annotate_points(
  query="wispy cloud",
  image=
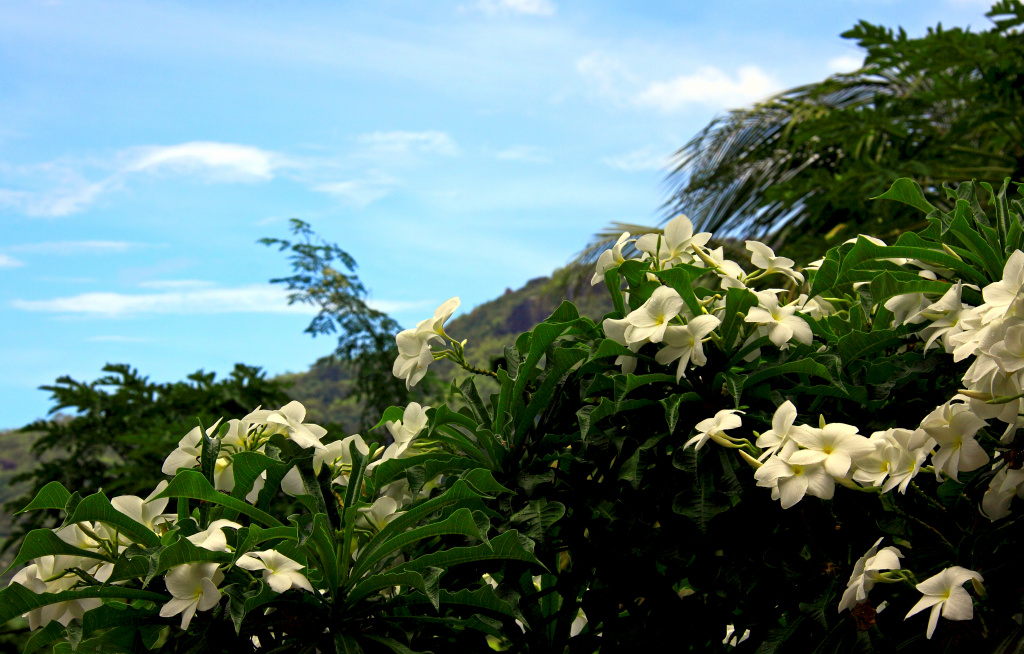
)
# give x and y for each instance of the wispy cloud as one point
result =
(707, 85)
(74, 247)
(407, 143)
(192, 297)
(524, 7)
(524, 153)
(359, 192)
(63, 200)
(9, 262)
(229, 162)
(164, 284)
(643, 159)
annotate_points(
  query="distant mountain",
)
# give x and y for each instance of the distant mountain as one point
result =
(488, 328)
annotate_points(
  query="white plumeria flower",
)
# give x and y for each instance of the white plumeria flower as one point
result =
(835, 445)
(907, 308)
(288, 421)
(764, 257)
(1004, 298)
(1004, 486)
(279, 572)
(731, 638)
(730, 274)
(676, 243)
(414, 420)
(193, 587)
(651, 319)
(414, 357)
(714, 428)
(944, 594)
(953, 426)
(866, 571)
(336, 455)
(683, 342)
(898, 456)
(782, 322)
(616, 330)
(816, 307)
(1008, 353)
(212, 538)
(189, 449)
(782, 430)
(48, 574)
(149, 512)
(609, 259)
(790, 482)
(434, 327)
(945, 315)
(377, 516)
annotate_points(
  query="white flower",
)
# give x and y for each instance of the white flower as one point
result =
(790, 482)
(676, 243)
(683, 342)
(835, 445)
(1004, 486)
(816, 307)
(865, 573)
(782, 430)
(288, 421)
(945, 316)
(48, 575)
(336, 455)
(783, 323)
(714, 428)
(147, 511)
(764, 257)
(945, 595)
(907, 308)
(1009, 352)
(377, 516)
(651, 319)
(189, 449)
(731, 639)
(279, 572)
(193, 586)
(616, 331)
(609, 259)
(953, 426)
(1004, 298)
(729, 272)
(434, 327)
(414, 357)
(212, 538)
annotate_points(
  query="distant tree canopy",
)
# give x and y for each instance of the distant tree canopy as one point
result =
(121, 427)
(941, 108)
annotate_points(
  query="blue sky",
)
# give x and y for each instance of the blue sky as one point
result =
(453, 148)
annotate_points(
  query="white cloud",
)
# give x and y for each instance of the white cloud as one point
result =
(524, 153)
(643, 159)
(708, 86)
(74, 247)
(9, 262)
(176, 284)
(406, 143)
(359, 192)
(220, 161)
(61, 201)
(845, 63)
(526, 7)
(257, 298)
(190, 300)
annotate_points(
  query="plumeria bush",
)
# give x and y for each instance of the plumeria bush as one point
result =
(743, 455)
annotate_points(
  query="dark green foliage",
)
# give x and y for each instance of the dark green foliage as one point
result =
(115, 432)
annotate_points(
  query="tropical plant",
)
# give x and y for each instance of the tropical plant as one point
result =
(731, 451)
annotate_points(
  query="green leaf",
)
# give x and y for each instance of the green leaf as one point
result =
(391, 643)
(626, 384)
(248, 466)
(537, 517)
(241, 603)
(542, 336)
(483, 481)
(671, 406)
(97, 508)
(51, 496)
(426, 583)
(193, 485)
(737, 302)
(326, 549)
(591, 414)
(43, 542)
(827, 275)
(984, 253)
(460, 522)
(469, 391)
(680, 278)
(866, 252)
(562, 362)
(16, 600)
(43, 637)
(800, 366)
(613, 281)
(391, 414)
(507, 547)
(859, 344)
(886, 286)
(908, 192)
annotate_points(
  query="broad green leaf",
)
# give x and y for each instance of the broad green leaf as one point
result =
(241, 602)
(562, 362)
(859, 344)
(680, 278)
(591, 414)
(541, 337)
(391, 644)
(469, 391)
(425, 583)
(391, 414)
(800, 366)
(613, 281)
(327, 551)
(827, 274)
(44, 636)
(507, 546)
(178, 553)
(43, 542)
(626, 384)
(865, 252)
(671, 406)
(51, 496)
(253, 535)
(461, 522)
(907, 191)
(355, 476)
(609, 348)
(97, 508)
(984, 254)
(886, 286)
(247, 466)
(537, 517)
(16, 600)
(192, 484)
(481, 599)
(391, 469)
(737, 302)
